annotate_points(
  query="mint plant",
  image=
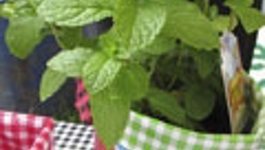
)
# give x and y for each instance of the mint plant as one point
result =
(160, 53)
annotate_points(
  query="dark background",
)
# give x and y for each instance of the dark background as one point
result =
(19, 79)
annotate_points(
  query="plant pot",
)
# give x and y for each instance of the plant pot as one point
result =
(25, 132)
(145, 133)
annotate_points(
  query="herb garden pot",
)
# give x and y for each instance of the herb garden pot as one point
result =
(145, 133)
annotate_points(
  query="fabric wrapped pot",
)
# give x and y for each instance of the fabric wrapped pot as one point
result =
(25, 132)
(145, 133)
(31, 132)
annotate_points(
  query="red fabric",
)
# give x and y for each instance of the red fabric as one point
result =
(25, 132)
(81, 103)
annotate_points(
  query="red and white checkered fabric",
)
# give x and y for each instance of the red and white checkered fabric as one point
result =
(81, 102)
(25, 132)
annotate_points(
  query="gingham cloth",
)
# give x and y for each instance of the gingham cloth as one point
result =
(258, 63)
(258, 73)
(144, 133)
(70, 136)
(25, 132)
(81, 102)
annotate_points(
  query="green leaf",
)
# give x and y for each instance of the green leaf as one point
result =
(24, 9)
(213, 11)
(92, 69)
(99, 71)
(50, 83)
(222, 23)
(241, 2)
(36, 3)
(74, 12)
(110, 106)
(132, 82)
(7, 10)
(199, 102)
(137, 24)
(70, 37)
(251, 18)
(186, 22)
(23, 34)
(110, 115)
(107, 74)
(160, 45)
(167, 105)
(206, 61)
(71, 62)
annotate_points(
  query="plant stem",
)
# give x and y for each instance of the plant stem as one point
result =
(231, 24)
(56, 36)
(205, 6)
(172, 82)
(152, 66)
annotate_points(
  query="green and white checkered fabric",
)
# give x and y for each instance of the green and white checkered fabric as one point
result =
(145, 133)
(257, 72)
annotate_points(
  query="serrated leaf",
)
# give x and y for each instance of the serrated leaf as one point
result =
(23, 34)
(74, 13)
(110, 115)
(70, 62)
(251, 18)
(167, 105)
(186, 22)
(107, 74)
(160, 45)
(137, 24)
(130, 82)
(92, 69)
(50, 83)
(110, 106)
(199, 102)
(99, 72)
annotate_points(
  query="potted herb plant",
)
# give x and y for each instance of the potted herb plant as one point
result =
(159, 58)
